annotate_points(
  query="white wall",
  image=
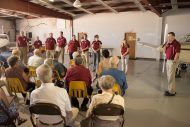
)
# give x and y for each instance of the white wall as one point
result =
(178, 22)
(43, 26)
(8, 27)
(111, 28)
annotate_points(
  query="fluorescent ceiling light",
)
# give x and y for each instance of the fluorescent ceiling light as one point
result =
(77, 4)
(51, 0)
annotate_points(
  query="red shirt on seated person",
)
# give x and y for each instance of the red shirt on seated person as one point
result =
(79, 73)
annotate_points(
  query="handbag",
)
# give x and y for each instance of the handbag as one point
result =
(88, 122)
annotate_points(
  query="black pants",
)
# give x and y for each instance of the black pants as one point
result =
(31, 87)
(96, 59)
(71, 55)
(75, 102)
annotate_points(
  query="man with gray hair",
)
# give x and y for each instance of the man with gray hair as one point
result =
(79, 73)
(106, 83)
(36, 60)
(49, 93)
(119, 76)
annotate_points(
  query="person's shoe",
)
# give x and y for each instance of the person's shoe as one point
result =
(21, 121)
(169, 94)
(84, 108)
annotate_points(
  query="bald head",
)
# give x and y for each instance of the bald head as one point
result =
(44, 73)
(114, 61)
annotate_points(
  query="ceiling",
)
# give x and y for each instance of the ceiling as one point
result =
(64, 8)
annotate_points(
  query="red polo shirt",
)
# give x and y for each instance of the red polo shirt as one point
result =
(84, 44)
(172, 49)
(62, 42)
(73, 46)
(37, 44)
(78, 73)
(96, 45)
(22, 41)
(124, 48)
(50, 43)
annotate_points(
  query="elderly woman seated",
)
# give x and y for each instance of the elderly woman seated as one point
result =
(8, 105)
(106, 83)
(15, 72)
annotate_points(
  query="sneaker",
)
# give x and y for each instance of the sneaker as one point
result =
(83, 108)
(21, 121)
(169, 94)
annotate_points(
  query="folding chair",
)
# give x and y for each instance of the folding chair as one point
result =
(45, 109)
(15, 86)
(32, 72)
(108, 110)
(78, 89)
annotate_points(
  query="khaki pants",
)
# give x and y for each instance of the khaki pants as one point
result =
(61, 55)
(50, 53)
(124, 62)
(69, 121)
(86, 55)
(23, 54)
(171, 69)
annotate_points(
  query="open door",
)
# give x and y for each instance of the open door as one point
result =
(131, 39)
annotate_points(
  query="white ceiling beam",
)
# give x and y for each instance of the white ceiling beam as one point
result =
(80, 8)
(174, 4)
(11, 15)
(59, 9)
(139, 5)
(107, 6)
(99, 8)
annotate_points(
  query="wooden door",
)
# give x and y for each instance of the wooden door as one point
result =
(80, 36)
(131, 39)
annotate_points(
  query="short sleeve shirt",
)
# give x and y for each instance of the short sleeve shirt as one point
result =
(50, 43)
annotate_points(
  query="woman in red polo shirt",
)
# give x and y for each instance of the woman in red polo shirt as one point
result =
(124, 50)
(96, 46)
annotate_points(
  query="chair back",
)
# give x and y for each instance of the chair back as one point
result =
(78, 89)
(108, 110)
(45, 109)
(32, 71)
(15, 86)
(116, 89)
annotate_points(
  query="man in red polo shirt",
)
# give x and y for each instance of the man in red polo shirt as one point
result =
(85, 45)
(62, 42)
(73, 46)
(96, 46)
(22, 45)
(37, 44)
(172, 49)
(50, 46)
(79, 73)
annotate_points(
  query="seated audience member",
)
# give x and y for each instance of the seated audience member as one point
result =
(49, 93)
(59, 67)
(72, 62)
(16, 52)
(36, 60)
(15, 72)
(104, 64)
(3, 59)
(106, 83)
(79, 73)
(9, 105)
(119, 76)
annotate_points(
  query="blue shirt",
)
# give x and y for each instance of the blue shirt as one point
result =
(3, 59)
(119, 76)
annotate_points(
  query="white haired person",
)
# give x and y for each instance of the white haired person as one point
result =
(119, 76)
(49, 93)
(36, 60)
(106, 83)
